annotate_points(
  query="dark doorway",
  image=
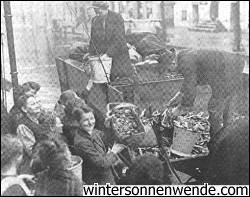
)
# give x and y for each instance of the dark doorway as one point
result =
(214, 10)
(196, 17)
(169, 14)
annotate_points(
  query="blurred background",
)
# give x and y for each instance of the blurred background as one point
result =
(44, 30)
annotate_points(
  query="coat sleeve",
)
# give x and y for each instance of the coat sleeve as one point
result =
(91, 46)
(86, 149)
(27, 137)
(118, 42)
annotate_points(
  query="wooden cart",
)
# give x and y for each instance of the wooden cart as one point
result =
(150, 90)
(156, 92)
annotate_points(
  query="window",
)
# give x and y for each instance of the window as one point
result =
(184, 15)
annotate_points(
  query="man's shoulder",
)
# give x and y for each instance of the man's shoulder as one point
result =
(115, 15)
(94, 19)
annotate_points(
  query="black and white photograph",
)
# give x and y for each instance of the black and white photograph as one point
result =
(124, 98)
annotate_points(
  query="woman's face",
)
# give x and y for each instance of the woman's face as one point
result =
(33, 106)
(87, 122)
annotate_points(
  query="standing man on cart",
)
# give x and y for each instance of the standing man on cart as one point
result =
(108, 39)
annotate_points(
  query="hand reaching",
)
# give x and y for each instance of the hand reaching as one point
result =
(27, 177)
(117, 148)
(104, 56)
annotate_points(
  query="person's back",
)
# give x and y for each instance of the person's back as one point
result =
(147, 170)
(57, 180)
(99, 34)
(12, 184)
(219, 69)
(229, 155)
(58, 183)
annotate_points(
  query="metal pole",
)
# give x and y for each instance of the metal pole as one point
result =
(11, 47)
(3, 78)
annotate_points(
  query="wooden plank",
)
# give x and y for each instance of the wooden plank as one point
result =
(60, 65)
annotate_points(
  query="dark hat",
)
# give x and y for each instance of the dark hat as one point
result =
(100, 4)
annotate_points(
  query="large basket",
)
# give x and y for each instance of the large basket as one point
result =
(132, 138)
(184, 141)
(77, 169)
(99, 73)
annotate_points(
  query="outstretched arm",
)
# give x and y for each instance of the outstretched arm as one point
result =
(176, 100)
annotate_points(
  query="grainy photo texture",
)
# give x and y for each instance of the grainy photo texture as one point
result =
(123, 93)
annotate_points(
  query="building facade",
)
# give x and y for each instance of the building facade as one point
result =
(182, 13)
(188, 13)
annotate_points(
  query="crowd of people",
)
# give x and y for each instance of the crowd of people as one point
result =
(37, 148)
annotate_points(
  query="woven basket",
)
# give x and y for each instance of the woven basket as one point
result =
(184, 141)
(127, 139)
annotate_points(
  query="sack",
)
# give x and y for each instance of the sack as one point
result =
(8, 182)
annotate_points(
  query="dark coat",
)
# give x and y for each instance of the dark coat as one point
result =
(14, 115)
(40, 132)
(97, 163)
(221, 70)
(229, 155)
(111, 40)
(5, 128)
(70, 128)
(59, 183)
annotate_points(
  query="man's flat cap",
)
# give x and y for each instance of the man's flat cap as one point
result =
(100, 4)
